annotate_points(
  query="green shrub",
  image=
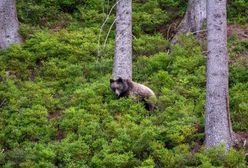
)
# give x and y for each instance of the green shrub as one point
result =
(147, 45)
(56, 107)
(217, 157)
(238, 11)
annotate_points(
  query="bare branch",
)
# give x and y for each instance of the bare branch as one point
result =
(105, 41)
(100, 33)
(3, 103)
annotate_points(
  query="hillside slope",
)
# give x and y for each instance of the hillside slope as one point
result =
(57, 110)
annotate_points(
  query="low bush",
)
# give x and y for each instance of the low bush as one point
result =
(57, 109)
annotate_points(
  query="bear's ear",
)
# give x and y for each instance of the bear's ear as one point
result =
(111, 80)
(120, 80)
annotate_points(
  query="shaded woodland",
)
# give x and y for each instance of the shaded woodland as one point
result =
(56, 106)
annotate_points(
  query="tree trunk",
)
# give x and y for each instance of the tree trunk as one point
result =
(218, 128)
(123, 40)
(9, 25)
(194, 17)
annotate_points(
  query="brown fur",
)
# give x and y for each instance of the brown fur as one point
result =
(126, 87)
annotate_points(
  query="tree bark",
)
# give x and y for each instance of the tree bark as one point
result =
(194, 17)
(218, 128)
(123, 40)
(9, 25)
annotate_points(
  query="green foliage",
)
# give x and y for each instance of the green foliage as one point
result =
(147, 45)
(238, 82)
(148, 16)
(238, 11)
(217, 157)
(238, 51)
(57, 110)
(239, 105)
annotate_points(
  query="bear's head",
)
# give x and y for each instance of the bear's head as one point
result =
(120, 86)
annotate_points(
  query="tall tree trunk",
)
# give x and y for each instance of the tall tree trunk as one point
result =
(9, 25)
(218, 128)
(194, 17)
(123, 40)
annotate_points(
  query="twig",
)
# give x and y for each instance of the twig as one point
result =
(168, 31)
(99, 37)
(204, 30)
(2, 103)
(105, 41)
(244, 143)
(135, 38)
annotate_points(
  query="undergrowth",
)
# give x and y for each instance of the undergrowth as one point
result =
(57, 110)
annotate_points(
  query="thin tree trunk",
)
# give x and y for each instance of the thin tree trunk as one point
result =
(9, 25)
(218, 128)
(194, 17)
(123, 40)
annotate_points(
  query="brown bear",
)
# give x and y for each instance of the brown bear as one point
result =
(126, 87)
